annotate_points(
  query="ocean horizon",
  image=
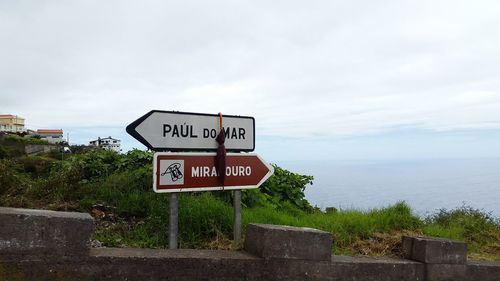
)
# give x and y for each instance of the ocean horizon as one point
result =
(427, 185)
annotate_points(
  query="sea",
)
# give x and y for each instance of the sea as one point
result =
(427, 185)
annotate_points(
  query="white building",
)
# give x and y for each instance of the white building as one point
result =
(51, 135)
(108, 143)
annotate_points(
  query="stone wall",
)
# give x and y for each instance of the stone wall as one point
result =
(29, 148)
(46, 245)
(33, 149)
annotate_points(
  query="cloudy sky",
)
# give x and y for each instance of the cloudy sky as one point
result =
(323, 79)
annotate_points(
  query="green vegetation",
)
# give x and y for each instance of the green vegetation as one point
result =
(7, 152)
(117, 190)
(29, 140)
(479, 229)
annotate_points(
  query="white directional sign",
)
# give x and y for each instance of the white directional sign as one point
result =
(175, 131)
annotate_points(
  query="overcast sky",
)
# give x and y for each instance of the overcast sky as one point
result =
(323, 79)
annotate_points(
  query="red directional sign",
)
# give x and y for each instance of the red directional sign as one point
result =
(184, 172)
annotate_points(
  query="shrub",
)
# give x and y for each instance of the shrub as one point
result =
(13, 184)
(3, 152)
(285, 186)
(474, 226)
(8, 152)
(129, 192)
(36, 166)
(134, 159)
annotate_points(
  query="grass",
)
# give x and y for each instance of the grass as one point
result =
(205, 221)
(347, 227)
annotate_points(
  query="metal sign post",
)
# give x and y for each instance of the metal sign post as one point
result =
(237, 217)
(174, 220)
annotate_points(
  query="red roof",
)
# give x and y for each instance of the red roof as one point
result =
(6, 116)
(49, 131)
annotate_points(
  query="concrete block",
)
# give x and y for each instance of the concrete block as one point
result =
(286, 242)
(432, 250)
(41, 232)
(407, 245)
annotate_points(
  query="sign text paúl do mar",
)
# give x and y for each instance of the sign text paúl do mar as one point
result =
(183, 131)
